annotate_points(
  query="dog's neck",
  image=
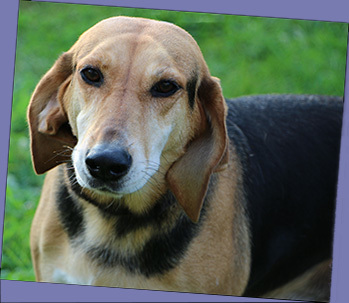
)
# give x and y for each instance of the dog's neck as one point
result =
(115, 236)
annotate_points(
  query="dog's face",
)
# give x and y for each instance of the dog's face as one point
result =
(132, 105)
(134, 101)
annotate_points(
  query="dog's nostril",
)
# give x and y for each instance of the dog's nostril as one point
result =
(118, 169)
(108, 164)
(92, 164)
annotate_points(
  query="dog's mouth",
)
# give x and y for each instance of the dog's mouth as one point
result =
(91, 184)
(110, 185)
(108, 196)
(103, 186)
(114, 190)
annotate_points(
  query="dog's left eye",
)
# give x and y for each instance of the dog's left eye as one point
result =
(92, 76)
(164, 88)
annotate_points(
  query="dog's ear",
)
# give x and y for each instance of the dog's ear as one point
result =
(189, 177)
(50, 133)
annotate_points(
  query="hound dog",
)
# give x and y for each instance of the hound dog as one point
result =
(155, 181)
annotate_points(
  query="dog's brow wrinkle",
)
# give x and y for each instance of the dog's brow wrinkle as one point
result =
(132, 52)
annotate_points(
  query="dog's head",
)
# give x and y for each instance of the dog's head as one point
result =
(133, 104)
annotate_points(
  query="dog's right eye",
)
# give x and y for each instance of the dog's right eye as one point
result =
(92, 76)
(164, 88)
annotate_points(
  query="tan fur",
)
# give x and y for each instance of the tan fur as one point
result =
(314, 283)
(189, 147)
(48, 240)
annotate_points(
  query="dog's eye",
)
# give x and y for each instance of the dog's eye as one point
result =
(92, 76)
(164, 88)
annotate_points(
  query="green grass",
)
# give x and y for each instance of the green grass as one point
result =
(250, 55)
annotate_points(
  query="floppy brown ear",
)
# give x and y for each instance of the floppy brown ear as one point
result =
(50, 133)
(188, 177)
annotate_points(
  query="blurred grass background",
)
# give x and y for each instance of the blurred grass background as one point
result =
(251, 55)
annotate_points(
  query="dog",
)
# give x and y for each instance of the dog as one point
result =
(155, 181)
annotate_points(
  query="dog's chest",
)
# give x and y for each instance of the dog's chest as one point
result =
(97, 256)
(81, 273)
(126, 262)
(144, 245)
(66, 277)
(77, 270)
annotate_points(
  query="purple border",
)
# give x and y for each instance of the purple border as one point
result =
(8, 30)
(329, 10)
(324, 10)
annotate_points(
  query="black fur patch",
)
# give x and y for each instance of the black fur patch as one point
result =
(70, 213)
(160, 254)
(191, 89)
(128, 222)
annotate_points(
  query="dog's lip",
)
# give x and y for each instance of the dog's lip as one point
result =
(89, 182)
(115, 189)
(104, 189)
(112, 188)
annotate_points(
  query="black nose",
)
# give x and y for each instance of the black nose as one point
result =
(108, 164)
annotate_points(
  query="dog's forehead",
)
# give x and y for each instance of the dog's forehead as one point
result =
(121, 25)
(175, 40)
